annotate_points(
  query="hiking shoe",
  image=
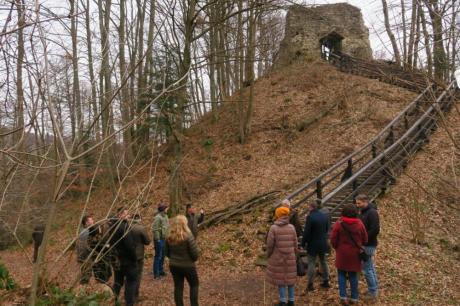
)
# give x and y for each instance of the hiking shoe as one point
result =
(325, 284)
(344, 302)
(310, 287)
(353, 301)
(280, 304)
(290, 303)
(370, 298)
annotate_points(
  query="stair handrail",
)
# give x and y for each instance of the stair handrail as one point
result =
(356, 152)
(385, 152)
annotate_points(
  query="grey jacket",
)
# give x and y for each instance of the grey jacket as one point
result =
(160, 226)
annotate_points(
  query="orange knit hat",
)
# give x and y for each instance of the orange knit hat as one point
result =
(281, 212)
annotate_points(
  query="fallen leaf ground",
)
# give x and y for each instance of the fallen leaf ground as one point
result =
(279, 156)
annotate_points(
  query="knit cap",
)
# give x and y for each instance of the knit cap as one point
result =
(281, 212)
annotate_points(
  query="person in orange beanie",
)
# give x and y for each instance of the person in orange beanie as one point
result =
(281, 253)
(281, 212)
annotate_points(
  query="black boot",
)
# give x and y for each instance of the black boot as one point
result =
(280, 304)
(325, 284)
(310, 287)
(290, 303)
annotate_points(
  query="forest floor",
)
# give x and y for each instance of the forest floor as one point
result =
(288, 147)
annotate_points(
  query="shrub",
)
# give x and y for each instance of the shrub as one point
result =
(6, 281)
(58, 296)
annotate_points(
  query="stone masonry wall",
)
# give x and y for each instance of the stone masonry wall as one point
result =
(305, 26)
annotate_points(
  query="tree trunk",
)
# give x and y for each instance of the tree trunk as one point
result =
(76, 96)
(417, 39)
(426, 35)
(176, 181)
(106, 87)
(92, 78)
(404, 29)
(250, 55)
(124, 103)
(390, 33)
(144, 124)
(439, 53)
(19, 114)
(413, 23)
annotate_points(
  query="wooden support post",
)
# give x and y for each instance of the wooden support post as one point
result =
(391, 135)
(374, 151)
(319, 192)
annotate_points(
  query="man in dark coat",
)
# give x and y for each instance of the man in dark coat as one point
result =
(193, 220)
(127, 273)
(370, 218)
(37, 237)
(141, 239)
(314, 239)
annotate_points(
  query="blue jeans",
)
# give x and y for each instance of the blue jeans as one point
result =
(159, 258)
(369, 271)
(353, 278)
(282, 293)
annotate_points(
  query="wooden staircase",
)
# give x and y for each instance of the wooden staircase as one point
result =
(377, 164)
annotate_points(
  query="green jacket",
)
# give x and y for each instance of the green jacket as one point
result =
(160, 226)
(183, 254)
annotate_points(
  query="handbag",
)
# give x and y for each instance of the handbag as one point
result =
(362, 254)
(300, 267)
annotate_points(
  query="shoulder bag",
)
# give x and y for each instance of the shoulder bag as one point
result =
(362, 254)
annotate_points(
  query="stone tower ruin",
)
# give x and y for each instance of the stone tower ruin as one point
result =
(309, 30)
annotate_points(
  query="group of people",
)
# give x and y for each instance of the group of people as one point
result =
(353, 236)
(116, 246)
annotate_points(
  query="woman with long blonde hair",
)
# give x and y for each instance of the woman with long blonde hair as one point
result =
(182, 251)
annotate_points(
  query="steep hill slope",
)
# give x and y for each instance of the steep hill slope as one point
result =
(305, 118)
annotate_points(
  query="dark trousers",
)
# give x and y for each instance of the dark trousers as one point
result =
(127, 276)
(191, 275)
(102, 271)
(36, 247)
(140, 270)
(85, 271)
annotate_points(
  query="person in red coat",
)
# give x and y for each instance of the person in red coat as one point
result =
(347, 261)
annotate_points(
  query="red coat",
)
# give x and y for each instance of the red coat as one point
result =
(346, 253)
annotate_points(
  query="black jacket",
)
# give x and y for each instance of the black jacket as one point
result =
(124, 242)
(294, 220)
(315, 233)
(370, 218)
(37, 234)
(193, 221)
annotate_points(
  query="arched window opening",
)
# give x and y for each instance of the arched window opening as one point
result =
(331, 43)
